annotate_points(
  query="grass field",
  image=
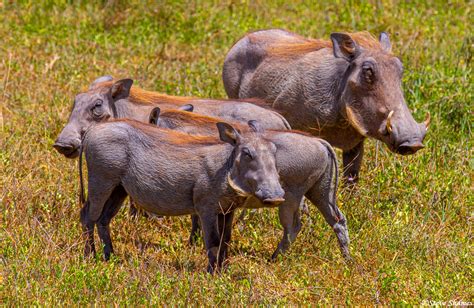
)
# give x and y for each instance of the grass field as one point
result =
(410, 219)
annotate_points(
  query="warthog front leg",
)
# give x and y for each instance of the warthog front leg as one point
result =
(87, 231)
(352, 161)
(195, 228)
(211, 239)
(111, 209)
(291, 221)
(225, 229)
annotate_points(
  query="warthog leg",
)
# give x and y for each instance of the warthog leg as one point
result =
(291, 221)
(211, 239)
(324, 199)
(111, 209)
(225, 229)
(100, 189)
(352, 160)
(87, 231)
(195, 228)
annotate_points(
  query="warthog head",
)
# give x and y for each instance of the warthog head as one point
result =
(95, 105)
(254, 170)
(373, 96)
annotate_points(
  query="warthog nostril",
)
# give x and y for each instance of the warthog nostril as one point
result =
(407, 149)
(62, 147)
(65, 149)
(274, 201)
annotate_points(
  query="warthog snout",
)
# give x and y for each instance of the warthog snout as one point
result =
(70, 150)
(69, 141)
(269, 197)
(406, 136)
(407, 148)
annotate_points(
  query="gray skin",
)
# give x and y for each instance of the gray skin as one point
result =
(342, 94)
(307, 167)
(106, 100)
(171, 173)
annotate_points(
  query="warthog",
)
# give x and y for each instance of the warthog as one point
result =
(342, 90)
(107, 100)
(171, 173)
(307, 166)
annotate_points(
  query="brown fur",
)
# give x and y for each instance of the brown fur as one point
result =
(187, 116)
(138, 95)
(265, 35)
(145, 97)
(210, 122)
(304, 45)
(171, 136)
(141, 96)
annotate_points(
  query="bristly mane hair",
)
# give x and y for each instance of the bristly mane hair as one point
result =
(202, 120)
(187, 116)
(141, 96)
(138, 95)
(294, 47)
(170, 136)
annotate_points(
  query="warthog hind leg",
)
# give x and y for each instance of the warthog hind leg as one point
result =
(324, 199)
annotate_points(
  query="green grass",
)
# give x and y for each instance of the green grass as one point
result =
(410, 220)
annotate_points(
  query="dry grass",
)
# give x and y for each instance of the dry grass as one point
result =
(410, 220)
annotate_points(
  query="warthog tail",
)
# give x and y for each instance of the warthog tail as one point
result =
(82, 198)
(82, 195)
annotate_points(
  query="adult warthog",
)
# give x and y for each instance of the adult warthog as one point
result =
(342, 90)
(108, 99)
(307, 167)
(172, 173)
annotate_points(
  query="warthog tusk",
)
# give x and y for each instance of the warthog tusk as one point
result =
(389, 125)
(236, 187)
(427, 120)
(353, 120)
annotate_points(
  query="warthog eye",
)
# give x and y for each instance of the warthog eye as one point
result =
(368, 74)
(246, 153)
(97, 110)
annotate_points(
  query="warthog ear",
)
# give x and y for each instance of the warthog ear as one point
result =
(99, 80)
(121, 89)
(228, 134)
(255, 126)
(154, 115)
(344, 46)
(385, 42)
(187, 107)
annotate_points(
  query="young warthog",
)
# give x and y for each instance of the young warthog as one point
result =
(307, 167)
(171, 173)
(342, 90)
(107, 99)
